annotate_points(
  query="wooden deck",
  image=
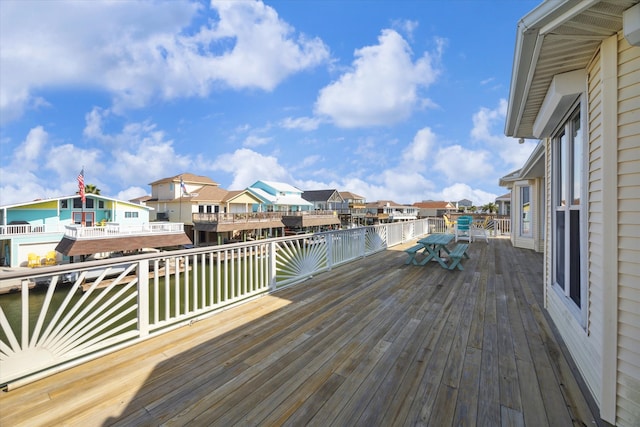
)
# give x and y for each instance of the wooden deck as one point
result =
(372, 343)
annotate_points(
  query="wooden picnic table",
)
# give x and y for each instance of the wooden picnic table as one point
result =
(433, 244)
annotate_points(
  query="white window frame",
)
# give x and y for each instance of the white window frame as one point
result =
(522, 232)
(579, 312)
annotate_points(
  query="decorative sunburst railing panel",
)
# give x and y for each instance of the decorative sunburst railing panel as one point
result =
(299, 258)
(375, 239)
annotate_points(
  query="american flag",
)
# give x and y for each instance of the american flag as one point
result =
(183, 187)
(81, 184)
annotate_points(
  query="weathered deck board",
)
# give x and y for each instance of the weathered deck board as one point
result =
(374, 342)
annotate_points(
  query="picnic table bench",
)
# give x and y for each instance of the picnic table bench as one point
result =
(413, 251)
(456, 255)
(431, 246)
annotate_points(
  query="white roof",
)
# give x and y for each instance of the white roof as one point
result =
(282, 186)
(286, 200)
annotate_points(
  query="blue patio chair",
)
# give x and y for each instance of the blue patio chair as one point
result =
(463, 228)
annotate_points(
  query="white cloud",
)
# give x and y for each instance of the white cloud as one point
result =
(248, 166)
(416, 155)
(382, 88)
(507, 149)
(140, 153)
(254, 141)
(459, 191)
(36, 164)
(302, 123)
(29, 151)
(132, 193)
(460, 164)
(140, 51)
(67, 160)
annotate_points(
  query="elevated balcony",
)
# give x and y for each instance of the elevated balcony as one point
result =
(112, 229)
(79, 240)
(221, 222)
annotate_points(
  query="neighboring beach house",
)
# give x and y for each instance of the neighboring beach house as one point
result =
(37, 227)
(431, 208)
(503, 203)
(323, 200)
(177, 198)
(384, 211)
(576, 87)
(353, 210)
(236, 220)
(464, 204)
(278, 197)
(298, 214)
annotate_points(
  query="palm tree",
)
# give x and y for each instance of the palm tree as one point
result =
(490, 207)
(91, 189)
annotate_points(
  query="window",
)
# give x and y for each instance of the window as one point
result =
(205, 208)
(100, 204)
(77, 203)
(89, 203)
(64, 204)
(131, 214)
(525, 211)
(567, 176)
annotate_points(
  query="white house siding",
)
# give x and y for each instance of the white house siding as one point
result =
(599, 221)
(628, 363)
(585, 342)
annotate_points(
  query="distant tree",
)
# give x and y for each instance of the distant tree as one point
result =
(91, 189)
(473, 209)
(490, 207)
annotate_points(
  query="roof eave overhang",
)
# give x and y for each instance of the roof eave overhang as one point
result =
(530, 35)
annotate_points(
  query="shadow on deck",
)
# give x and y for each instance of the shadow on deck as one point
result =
(375, 342)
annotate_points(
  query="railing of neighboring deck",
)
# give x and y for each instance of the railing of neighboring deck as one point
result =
(64, 315)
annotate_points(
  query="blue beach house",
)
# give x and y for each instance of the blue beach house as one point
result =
(36, 227)
(278, 197)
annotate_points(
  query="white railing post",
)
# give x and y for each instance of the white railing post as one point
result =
(272, 266)
(25, 313)
(329, 240)
(143, 297)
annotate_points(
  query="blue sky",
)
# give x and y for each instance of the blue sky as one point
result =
(392, 100)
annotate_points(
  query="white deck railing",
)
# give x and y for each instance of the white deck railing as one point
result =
(30, 229)
(112, 229)
(83, 311)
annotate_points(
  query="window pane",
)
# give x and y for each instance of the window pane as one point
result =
(577, 161)
(574, 267)
(525, 225)
(89, 203)
(560, 165)
(77, 203)
(560, 248)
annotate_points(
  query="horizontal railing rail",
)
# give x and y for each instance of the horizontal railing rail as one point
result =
(60, 316)
(31, 229)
